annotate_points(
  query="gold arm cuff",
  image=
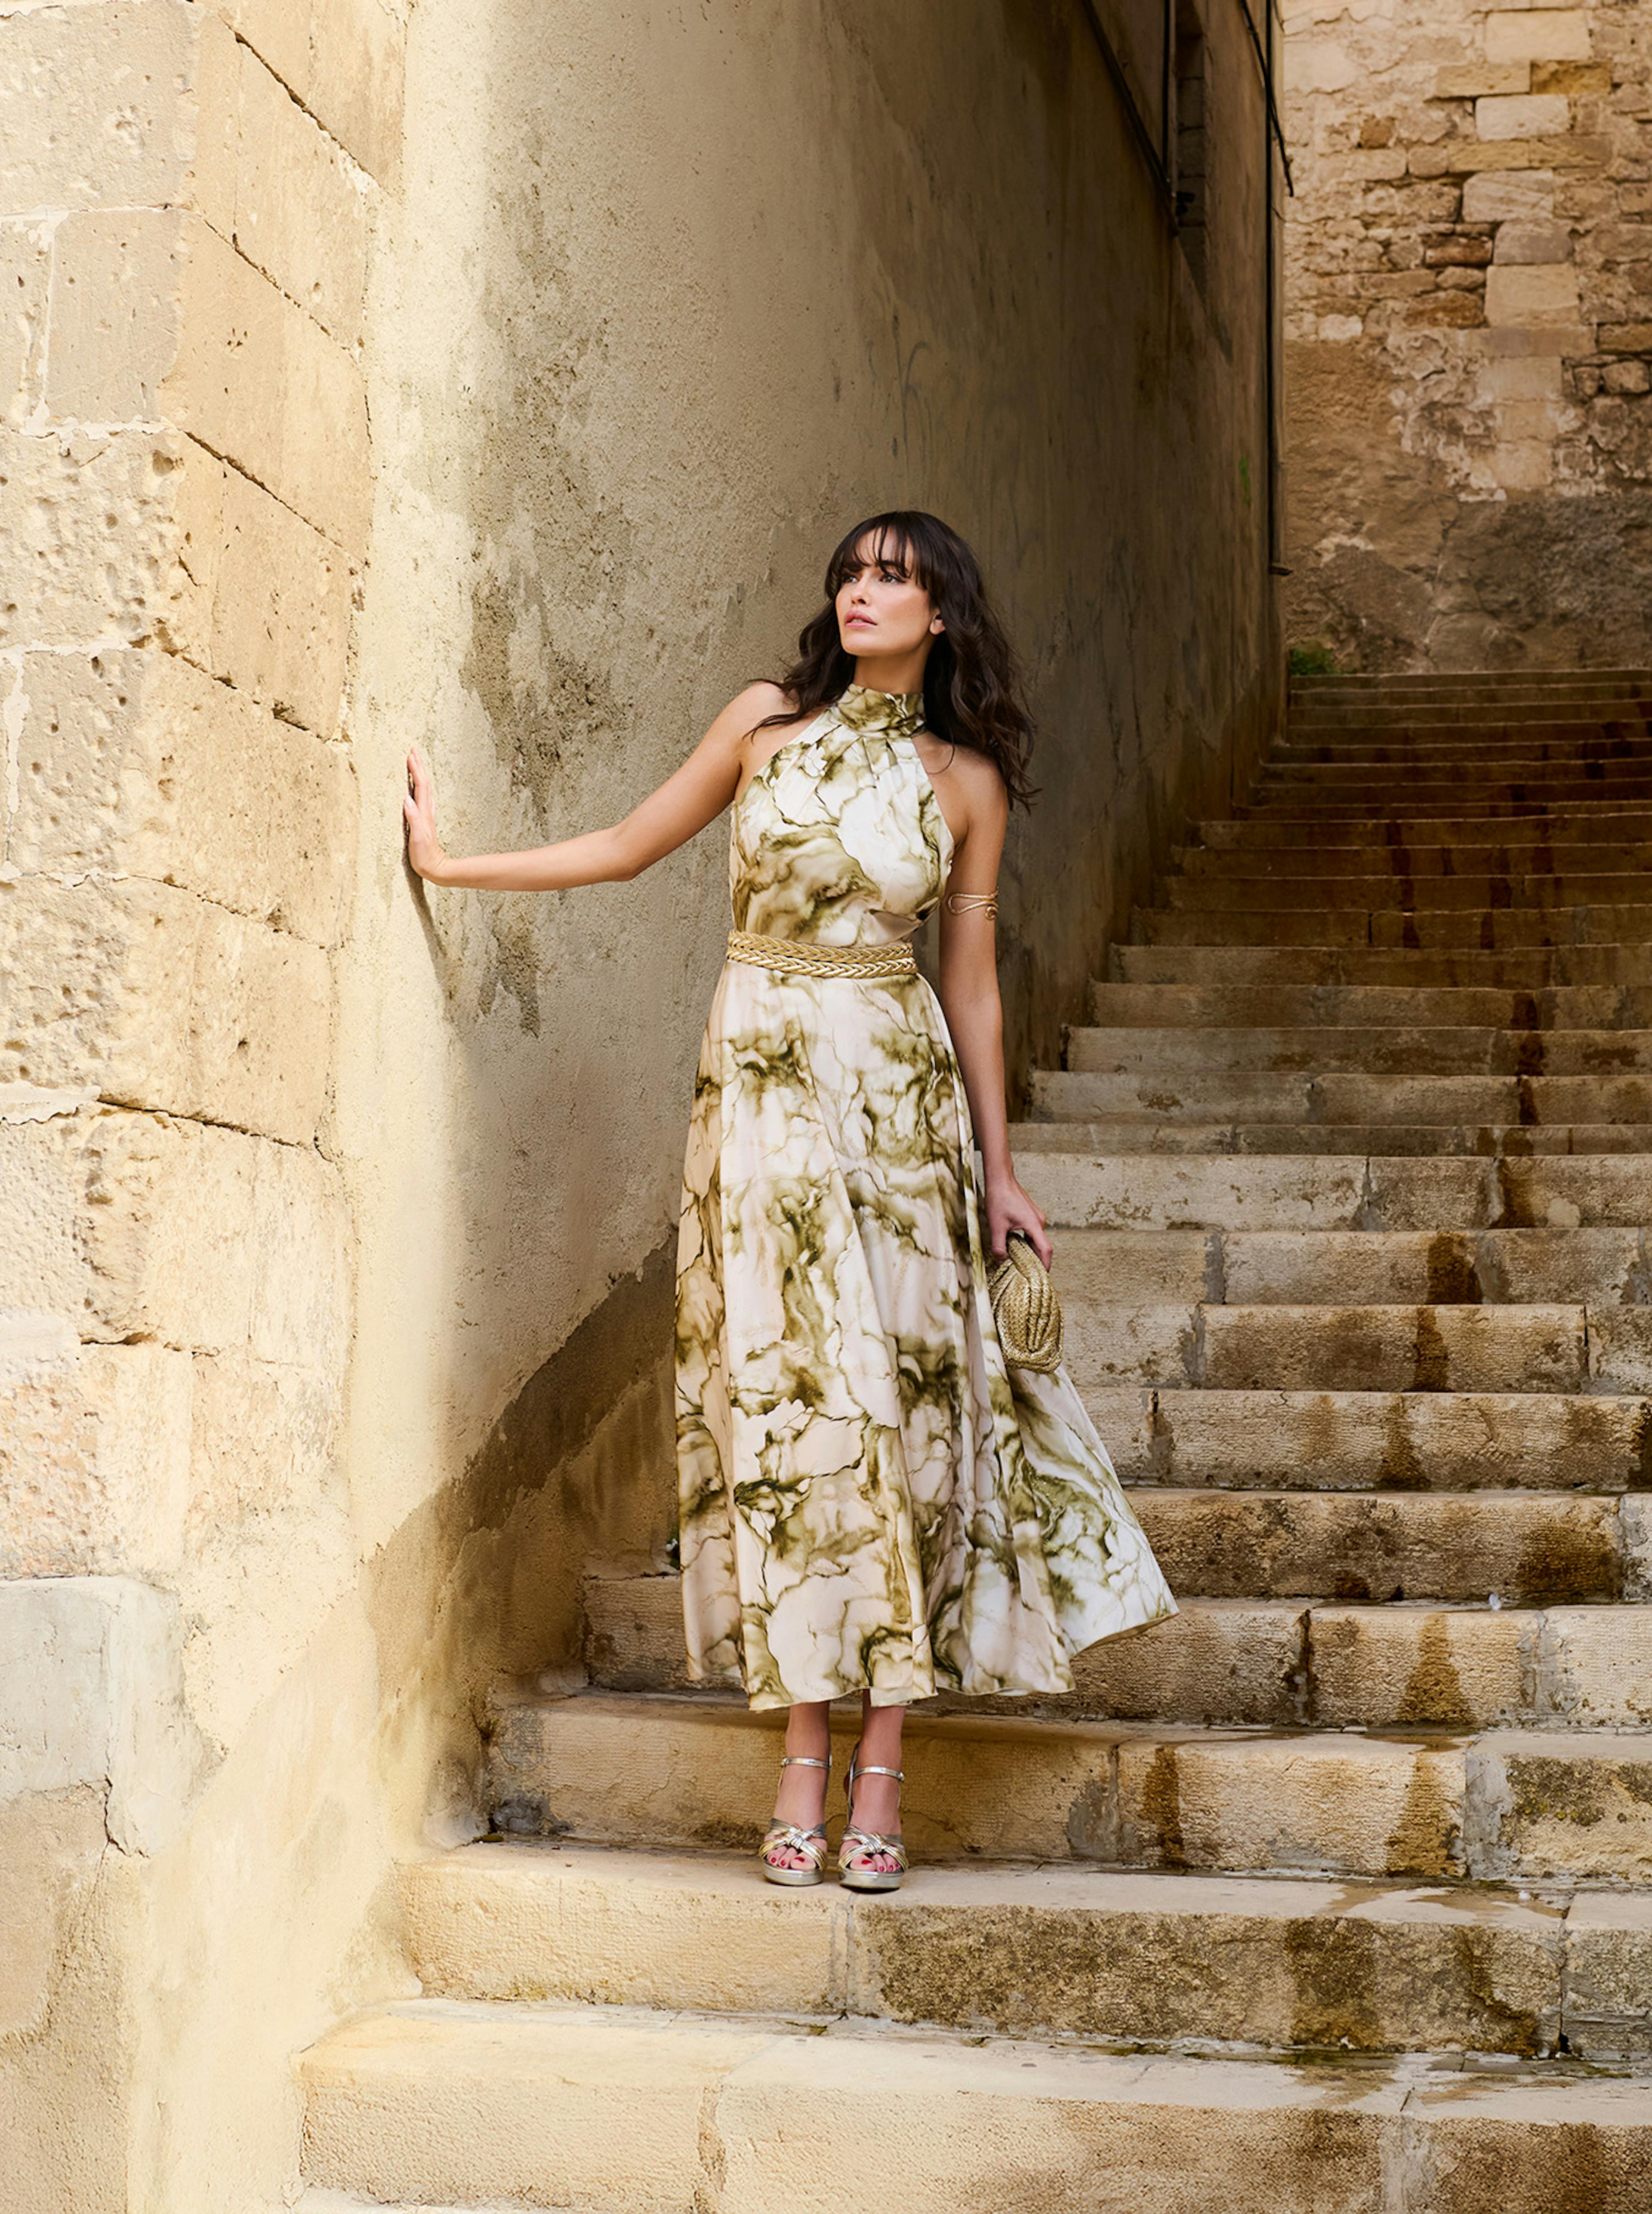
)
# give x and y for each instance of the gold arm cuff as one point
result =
(803, 957)
(972, 903)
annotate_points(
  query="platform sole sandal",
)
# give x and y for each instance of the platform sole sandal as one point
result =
(811, 1844)
(857, 1847)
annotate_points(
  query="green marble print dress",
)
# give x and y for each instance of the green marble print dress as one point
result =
(869, 1498)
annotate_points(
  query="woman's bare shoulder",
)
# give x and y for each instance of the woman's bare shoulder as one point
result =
(755, 704)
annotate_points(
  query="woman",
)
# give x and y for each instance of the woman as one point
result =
(870, 1501)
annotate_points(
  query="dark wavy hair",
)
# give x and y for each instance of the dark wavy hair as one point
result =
(972, 688)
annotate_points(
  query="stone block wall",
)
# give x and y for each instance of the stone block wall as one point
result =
(187, 197)
(1469, 378)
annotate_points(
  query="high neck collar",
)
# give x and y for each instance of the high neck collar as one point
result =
(896, 714)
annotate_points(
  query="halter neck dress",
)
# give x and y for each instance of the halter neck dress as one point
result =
(870, 1497)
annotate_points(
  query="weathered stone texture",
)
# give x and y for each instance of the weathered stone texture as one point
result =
(155, 316)
(95, 1444)
(159, 998)
(136, 764)
(1405, 427)
(144, 1226)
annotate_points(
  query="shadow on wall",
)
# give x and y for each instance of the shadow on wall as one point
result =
(480, 1587)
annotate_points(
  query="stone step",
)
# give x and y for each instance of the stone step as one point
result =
(1506, 748)
(1276, 1347)
(1399, 757)
(1385, 1442)
(1337, 1192)
(1275, 1004)
(1524, 970)
(1493, 776)
(622, 2111)
(1451, 684)
(1154, 1960)
(1154, 1134)
(1590, 824)
(1528, 1548)
(1318, 1046)
(1581, 724)
(1386, 891)
(1235, 864)
(1575, 1010)
(675, 1771)
(1601, 708)
(1445, 817)
(1487, 928)
(1300, 1663)
(1252, 1095)
(1611, 1269)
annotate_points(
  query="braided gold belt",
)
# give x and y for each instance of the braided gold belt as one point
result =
(805, 958)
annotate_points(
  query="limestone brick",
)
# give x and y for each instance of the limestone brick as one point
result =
(90, 1693)
(1627, 377)
(94, 1453)
(163, 318)
(90, 522)
(1532, 242)
(1515, 116)
(90, 109)
(1594, 1666)
(1573, 80)
(25, 271)
(145, 536)
(1530, 295)
(1499, 197)
(140, 1226)
(1451, 1666)
(343, 59)
(1537, 34)
(1476, 79)
(265, 599)
(1522, 377)
(300, 216)
(1376, 1808)
(162, 1000)
(135, 763)
(357, 50)
(278, 31)
(1543, 1806)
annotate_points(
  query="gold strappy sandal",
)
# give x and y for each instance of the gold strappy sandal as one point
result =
(811, 1844)
(860, 1846)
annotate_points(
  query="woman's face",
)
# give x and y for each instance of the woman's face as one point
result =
(880, 608)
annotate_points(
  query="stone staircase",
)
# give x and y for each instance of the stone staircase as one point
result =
(1334, 1896)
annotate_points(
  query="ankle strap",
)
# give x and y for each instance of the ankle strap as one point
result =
(802, 1760)
(861, 1768)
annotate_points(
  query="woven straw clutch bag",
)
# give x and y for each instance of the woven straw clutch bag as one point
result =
(1026, 1309)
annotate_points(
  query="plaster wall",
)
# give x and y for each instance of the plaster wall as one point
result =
(1469, 370)
(335, 1215)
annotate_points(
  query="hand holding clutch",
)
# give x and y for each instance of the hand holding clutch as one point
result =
(1025, 1308)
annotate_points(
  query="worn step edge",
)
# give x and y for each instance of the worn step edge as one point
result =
(1304, 1662)
(642, 2114)
(1084, 1189)
(698, 1770)
(1387, 1444)
(1168, 1137)
(1156, 1958)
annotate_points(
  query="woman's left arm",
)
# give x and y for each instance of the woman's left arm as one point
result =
(974, 1015)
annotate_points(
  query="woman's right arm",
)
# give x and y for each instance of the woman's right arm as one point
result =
(668, 818)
